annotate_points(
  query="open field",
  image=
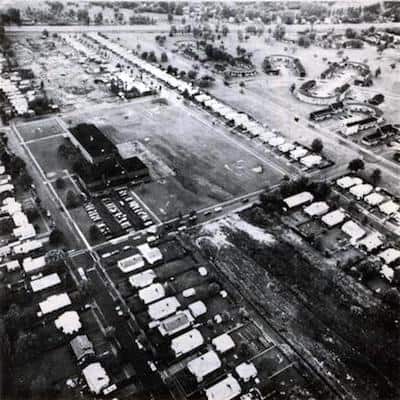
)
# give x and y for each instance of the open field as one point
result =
(209, 167)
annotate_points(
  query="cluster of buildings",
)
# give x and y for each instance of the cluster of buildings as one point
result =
(245, 124)
(369, 241)
(272, 62)
(14, 221)
(9, 88)
(103, 165)
(184, 324)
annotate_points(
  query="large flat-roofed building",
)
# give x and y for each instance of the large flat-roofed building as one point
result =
(101, 164)
(93, 144)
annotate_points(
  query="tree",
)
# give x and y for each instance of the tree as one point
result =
(192, 74)
(164, 57)
(170, 18)
(27, 346)
(350, 33)
(83, 16)
(317, 145)
(12, 320)
(40, 386)
(56, 237)
(152, 57)
(98, 19)
(392, 297)
(376, 176)
(356, 165)
(378, 72)
(72, 200)
(279, 32)
(60, 183)
(25, 180)
(95, 233)
(213, 288)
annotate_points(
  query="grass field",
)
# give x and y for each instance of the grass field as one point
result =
(49, 161)
(209, 167)
(39, 129)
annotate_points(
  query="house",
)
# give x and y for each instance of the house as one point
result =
(27, 247)
(68, 322)
(390, 207)
(46, 282)
(374, 199)
(371, 242)
(298, 199)
(348, 181)
(311, 160)
(246, 371)
(204, 365)
(142, 279)
(223, 343)
(152, 293)
(24, 232)
(187, 342)
(360, 191)
(298, 152)
(82, 347)
(333, 218)
(96, 377)
(276, 141)
(163, 308)
(197, 308)
(226, 389)
(176, 323)
(54, 303)
(387, 272)
(390, 256)
(33, 265)
(286, 147)
(353, 230)
(150, 254)
(317, 209)
(11, 266)
(130, 264)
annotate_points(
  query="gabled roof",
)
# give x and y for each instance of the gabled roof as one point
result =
(187, 342)
(226, 389)
(204, 365)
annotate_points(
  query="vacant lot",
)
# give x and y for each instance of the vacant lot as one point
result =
(209, 166)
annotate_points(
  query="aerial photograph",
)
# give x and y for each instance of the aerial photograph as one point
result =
(199, 200)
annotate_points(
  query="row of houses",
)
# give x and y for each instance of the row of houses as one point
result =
(13, 95)
(369, 241)
(29, 269)
(383, 201)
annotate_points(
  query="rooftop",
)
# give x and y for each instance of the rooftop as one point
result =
(226, 389)
(93, 140)
(204, 365)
